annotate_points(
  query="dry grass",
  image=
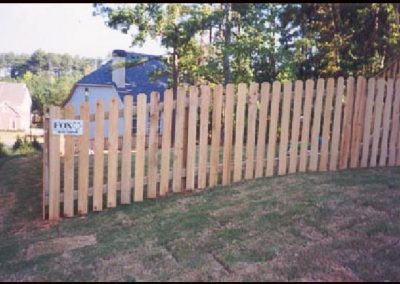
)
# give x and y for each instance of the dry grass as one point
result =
(341, 226)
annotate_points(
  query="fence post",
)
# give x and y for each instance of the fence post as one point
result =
(69, 168)
(45, 160)
(54, 168)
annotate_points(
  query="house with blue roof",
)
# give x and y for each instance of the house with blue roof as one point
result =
(127, 73)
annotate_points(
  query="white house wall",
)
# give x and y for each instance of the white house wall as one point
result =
(21, 120)
(25, 111)
(105, 93)
(95, 93)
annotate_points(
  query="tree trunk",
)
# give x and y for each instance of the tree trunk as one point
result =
(174, 90)
(226, 65)
(174, 73)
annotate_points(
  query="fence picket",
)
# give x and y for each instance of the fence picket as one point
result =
(140, 147)
(386, 123)
(284, 135)
(228, 133)
(262, 129)
(326, 130)
(153, 146)
(98, 179)
(69, 168)
(126, 169)
(305, 132)
(347, 119)
(377, 121)
(251, 129)
(295, 127)
(112, 169)
(83, 176)
(316, 128)
(367, 122)
(336, 125)
(203, 151)
(178, 147)
(239, 132)
(215, 134)
(166, 141)
(358, 122)
(276, 92)
(394, 143)
(192, 135)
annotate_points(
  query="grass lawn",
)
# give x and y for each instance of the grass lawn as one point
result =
(342, 226)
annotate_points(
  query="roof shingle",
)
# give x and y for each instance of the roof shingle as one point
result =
(139, 68)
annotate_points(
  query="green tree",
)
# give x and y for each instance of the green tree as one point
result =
(341, 39)
(171, 23)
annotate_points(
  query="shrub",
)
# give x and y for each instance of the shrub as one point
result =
(17, 144)
(2, 150)
(36, 144)
(24, 146)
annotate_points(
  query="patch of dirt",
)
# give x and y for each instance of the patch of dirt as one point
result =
(7, 202)
(124, 219)
(58, 245)
(337, 273)
(146, 263)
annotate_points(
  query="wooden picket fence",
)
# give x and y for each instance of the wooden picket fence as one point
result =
(221, 136)
(391, 70)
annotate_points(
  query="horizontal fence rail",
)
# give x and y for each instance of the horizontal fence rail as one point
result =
(220, 135)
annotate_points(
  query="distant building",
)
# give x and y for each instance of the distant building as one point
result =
(15, 106)
(127, 73)
(5, 72)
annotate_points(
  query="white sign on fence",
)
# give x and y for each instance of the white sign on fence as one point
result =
(67, 126)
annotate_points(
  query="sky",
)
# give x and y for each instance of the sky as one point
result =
(63, 28)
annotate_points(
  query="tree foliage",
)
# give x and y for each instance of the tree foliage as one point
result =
(243, 42)
(341, 39)
(48, 76)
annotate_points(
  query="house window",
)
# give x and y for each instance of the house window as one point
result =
(12, 123)
(86, 94)
(134, 125)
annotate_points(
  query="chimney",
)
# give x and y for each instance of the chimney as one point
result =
(118, 67)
